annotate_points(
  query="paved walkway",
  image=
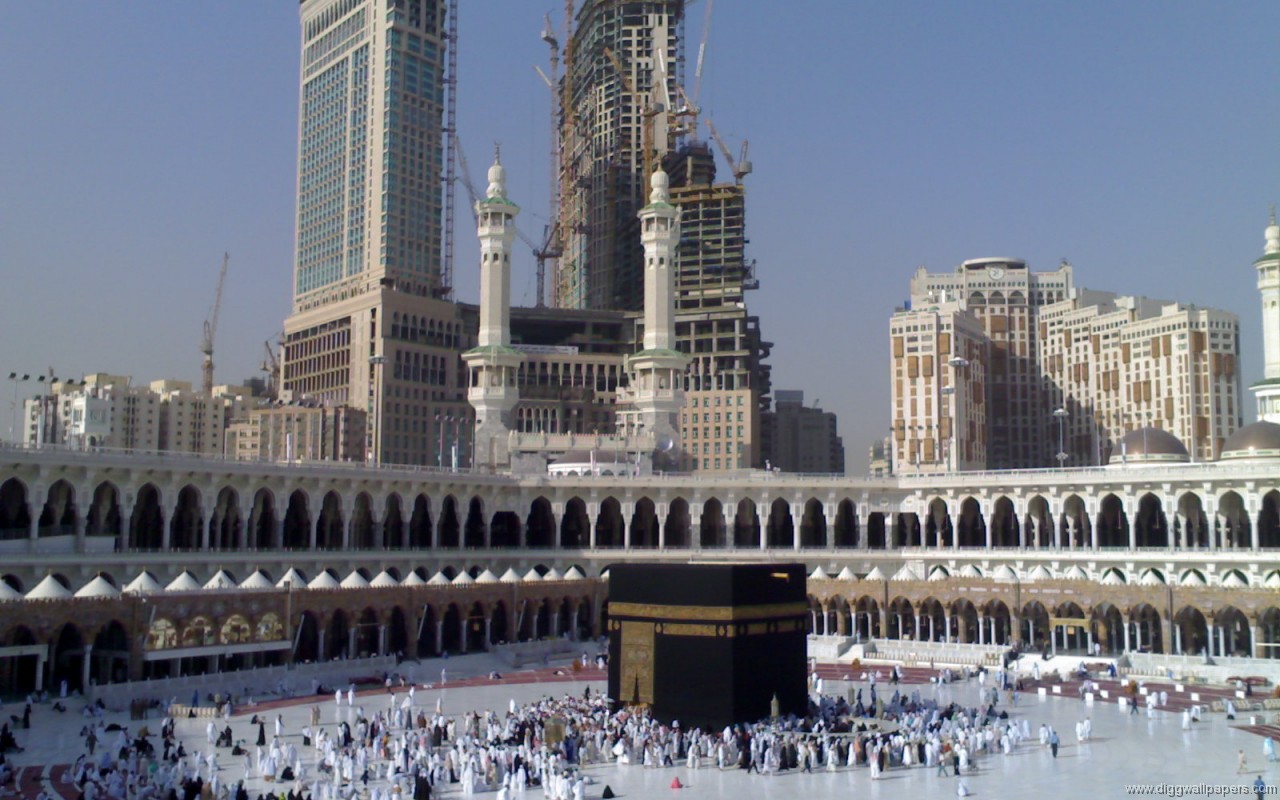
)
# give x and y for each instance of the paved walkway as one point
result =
(1125, 749)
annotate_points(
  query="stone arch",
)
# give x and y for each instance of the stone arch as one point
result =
(329, 524)
(104, 517)
(474, 531)
(781, 527)
(15, 516)
(297, 522)
(1034, 624)
(426, 642)
(1005, 531)
(362, 524)
(1077, 528)
(746, 525)
(906, 530)
(262, 520)
(933, 619)
(368, 634)
(876, 539)
(1151, 527)
(938, 529)
(1107, 624)
(1191, 527)
(450, 525)
(971, 528)
(644, 525)
(998, 621)
(499, 632)
(504, 530)
(397, 642)
(711, 527)
(1234, 634)
(1038, 523)
(420, 525)
(901, 619)
(609, 530)
(1113, 524)
(66, 661)
(1269, 522)
(675, 533)
(226, 524)
(540, 525)
(307, 645)
(813, 524)
(1268, 645)
(146, 523)
(575, 525)
(337, 638)
(964, 621)
(58, 516)
(1191, 630)
(866, 618)
(187, 526)
(846, 527)
(392, 524)
(1148, 628)
(1234, 531)
(109, 662)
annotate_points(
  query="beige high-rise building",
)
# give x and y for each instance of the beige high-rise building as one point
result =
(369, 326)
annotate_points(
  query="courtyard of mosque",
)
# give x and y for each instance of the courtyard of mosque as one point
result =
(1125, 750)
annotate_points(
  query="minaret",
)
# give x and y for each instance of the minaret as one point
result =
(1267, 390)
(657, 372)
(492, 364)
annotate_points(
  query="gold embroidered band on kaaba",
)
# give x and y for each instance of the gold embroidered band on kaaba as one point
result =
(655, 611)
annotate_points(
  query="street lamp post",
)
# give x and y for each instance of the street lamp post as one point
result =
(376, 363)
(441, 421)
(1062, 414)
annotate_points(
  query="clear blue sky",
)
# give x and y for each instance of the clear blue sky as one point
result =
(1140, 140)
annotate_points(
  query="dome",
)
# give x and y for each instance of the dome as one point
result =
(185, 582)
(384, 579)
(1193, 577)
(819, 574)
(49, 589)
(1113, 577)
(1151, 577)
(438, 579)
(574, 574)
(7, 592)
(1258, 440)
(463, 579)
(145, 583)
(324, 580)
(939, 573)
(1234, 580)
(970, 571)
(258, 580)
(1273, 579)
(532, 575)
(510, 576)
(604, 576)
(906, 573)
(221, 580)
(486, 577)
(1004, 572)
(98, 587)
(1076, 573)
(1040, 573)
(846, 574)
(292, 580)
(1147, 445)
(413, 579)
(874, 575)
(553, 574)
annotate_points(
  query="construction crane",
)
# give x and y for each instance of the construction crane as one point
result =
(450, 81)
(551, 247)
(741, 167)
(689, 106)
(271, 366)
(211, 327)
(650, 110)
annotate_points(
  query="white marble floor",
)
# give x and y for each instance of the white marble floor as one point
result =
(1126, 750)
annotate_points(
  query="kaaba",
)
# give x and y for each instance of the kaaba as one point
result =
(708, 645)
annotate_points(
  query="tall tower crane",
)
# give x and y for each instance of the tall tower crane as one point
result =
(211, 327)
(551, 248)
(741, 166)
(445, 289)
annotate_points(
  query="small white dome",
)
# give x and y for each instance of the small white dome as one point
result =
(510, 576)
(604, 576)
(1076, 573)
(413, 579)
(1005, 573)
(1273, 580)
(1113, 577)
(486, 577)
(324, 580)
(98, 587)
(384, 580)
(221, 580)
(874, 575)
(1040, 573)
(553, 574)
(846, 574)
(439, 579)
(532, 575)
(574, 574)
(1234, 580)
(1193, 577)
(292, 578)
(355, 581)
(939, 573)
(463, 579)
(1151, 577)
(145, 583)
(8, 593)
(258, 580)
(49, 589)
(186, 582)
(819, 574)
(970, 571)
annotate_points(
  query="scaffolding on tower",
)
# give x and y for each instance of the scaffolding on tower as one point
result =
(450, 82)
